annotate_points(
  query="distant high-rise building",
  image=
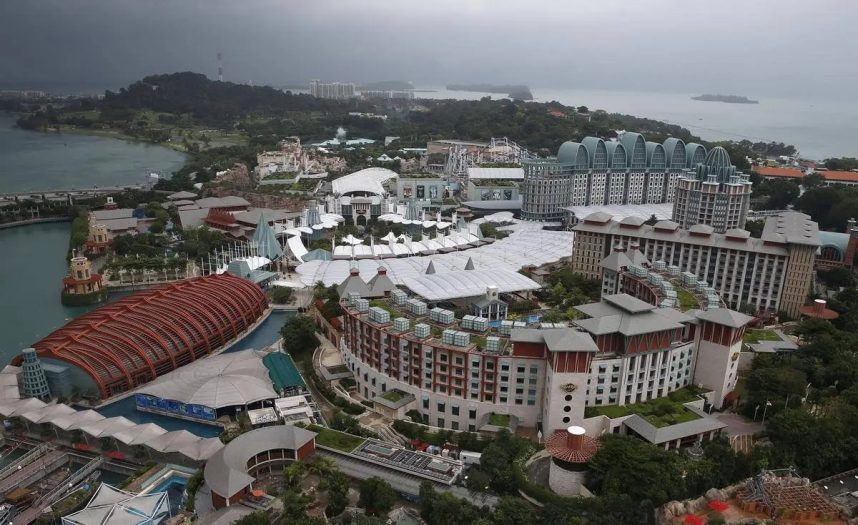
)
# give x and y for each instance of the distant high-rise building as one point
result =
(335, 90)
(714, 193)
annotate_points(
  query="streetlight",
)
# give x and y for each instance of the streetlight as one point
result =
(767, 405)
(756, 408)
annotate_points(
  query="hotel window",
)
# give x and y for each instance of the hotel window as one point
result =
(441, 407)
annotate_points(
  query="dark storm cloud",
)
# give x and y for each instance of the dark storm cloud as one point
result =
(783, 47)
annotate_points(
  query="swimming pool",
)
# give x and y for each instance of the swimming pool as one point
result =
(171, 479)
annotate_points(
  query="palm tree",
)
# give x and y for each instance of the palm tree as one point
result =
(293, 473)
(322, 466)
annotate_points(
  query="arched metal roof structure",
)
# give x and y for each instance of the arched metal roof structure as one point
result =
(694, 154)
(133, 340)
(630, 151)
(675, 150)
(574, 153)
(598, 152)
(655, 155)
(635, 146)
(616, 154)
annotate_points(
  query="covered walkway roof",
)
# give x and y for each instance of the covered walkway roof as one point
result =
(282, 371)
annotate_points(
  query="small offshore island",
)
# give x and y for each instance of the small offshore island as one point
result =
(729, 99)
(515, 92)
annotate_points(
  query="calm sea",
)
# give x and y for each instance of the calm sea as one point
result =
(35, 161)
(819, 128)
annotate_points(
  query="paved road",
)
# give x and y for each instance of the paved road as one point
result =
(738, 425)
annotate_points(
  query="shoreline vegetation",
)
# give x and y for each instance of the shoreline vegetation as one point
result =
(728, 99)
(220, 123)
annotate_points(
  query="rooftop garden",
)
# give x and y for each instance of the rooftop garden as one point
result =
(335, 439)
(499, 420)
(686, 299)
(660, 412)
(384, 305)
(393, 396)
(754, 336)
(493, 182)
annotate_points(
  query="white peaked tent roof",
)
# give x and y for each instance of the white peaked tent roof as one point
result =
(172, 441)
(112, 506)
(528, 244)
(107, 427)
(351, 239)
(76, 420)
(17, 407)
(201, 449)
(468, 283)
(296, 247)
(390, 237)
(229, 379)
(48, 413)
(140, 434)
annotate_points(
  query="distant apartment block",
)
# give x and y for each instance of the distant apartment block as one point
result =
(336, 90)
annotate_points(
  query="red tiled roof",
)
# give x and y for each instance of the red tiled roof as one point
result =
(841, 176)
(773, 171)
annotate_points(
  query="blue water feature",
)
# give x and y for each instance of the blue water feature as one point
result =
(264, 335)
(174, 486)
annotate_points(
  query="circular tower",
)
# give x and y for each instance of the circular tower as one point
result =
(570, 452)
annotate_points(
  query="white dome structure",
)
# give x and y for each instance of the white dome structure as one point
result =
(225, 380)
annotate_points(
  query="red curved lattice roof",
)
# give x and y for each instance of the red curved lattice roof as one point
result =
(137, 338)
(561, 447)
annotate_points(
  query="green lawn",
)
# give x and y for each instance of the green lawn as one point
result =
(686, 299)
(660, 412)
(499, 420)
(392, 395)
(755, 336)
(336, 439)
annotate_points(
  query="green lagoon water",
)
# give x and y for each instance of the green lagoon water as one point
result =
(35, 161)
(32, 258)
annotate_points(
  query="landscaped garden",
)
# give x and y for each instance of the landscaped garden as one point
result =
(499, 420)
(334, 439)
(686, 299)
(660, 412)
(754, 336)
(392, 395)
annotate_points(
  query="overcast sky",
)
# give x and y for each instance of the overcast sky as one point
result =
(753, 47)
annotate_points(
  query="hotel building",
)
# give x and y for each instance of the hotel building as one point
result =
(629, 170)
(771, 273)
(714, 194)
(625, 351)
